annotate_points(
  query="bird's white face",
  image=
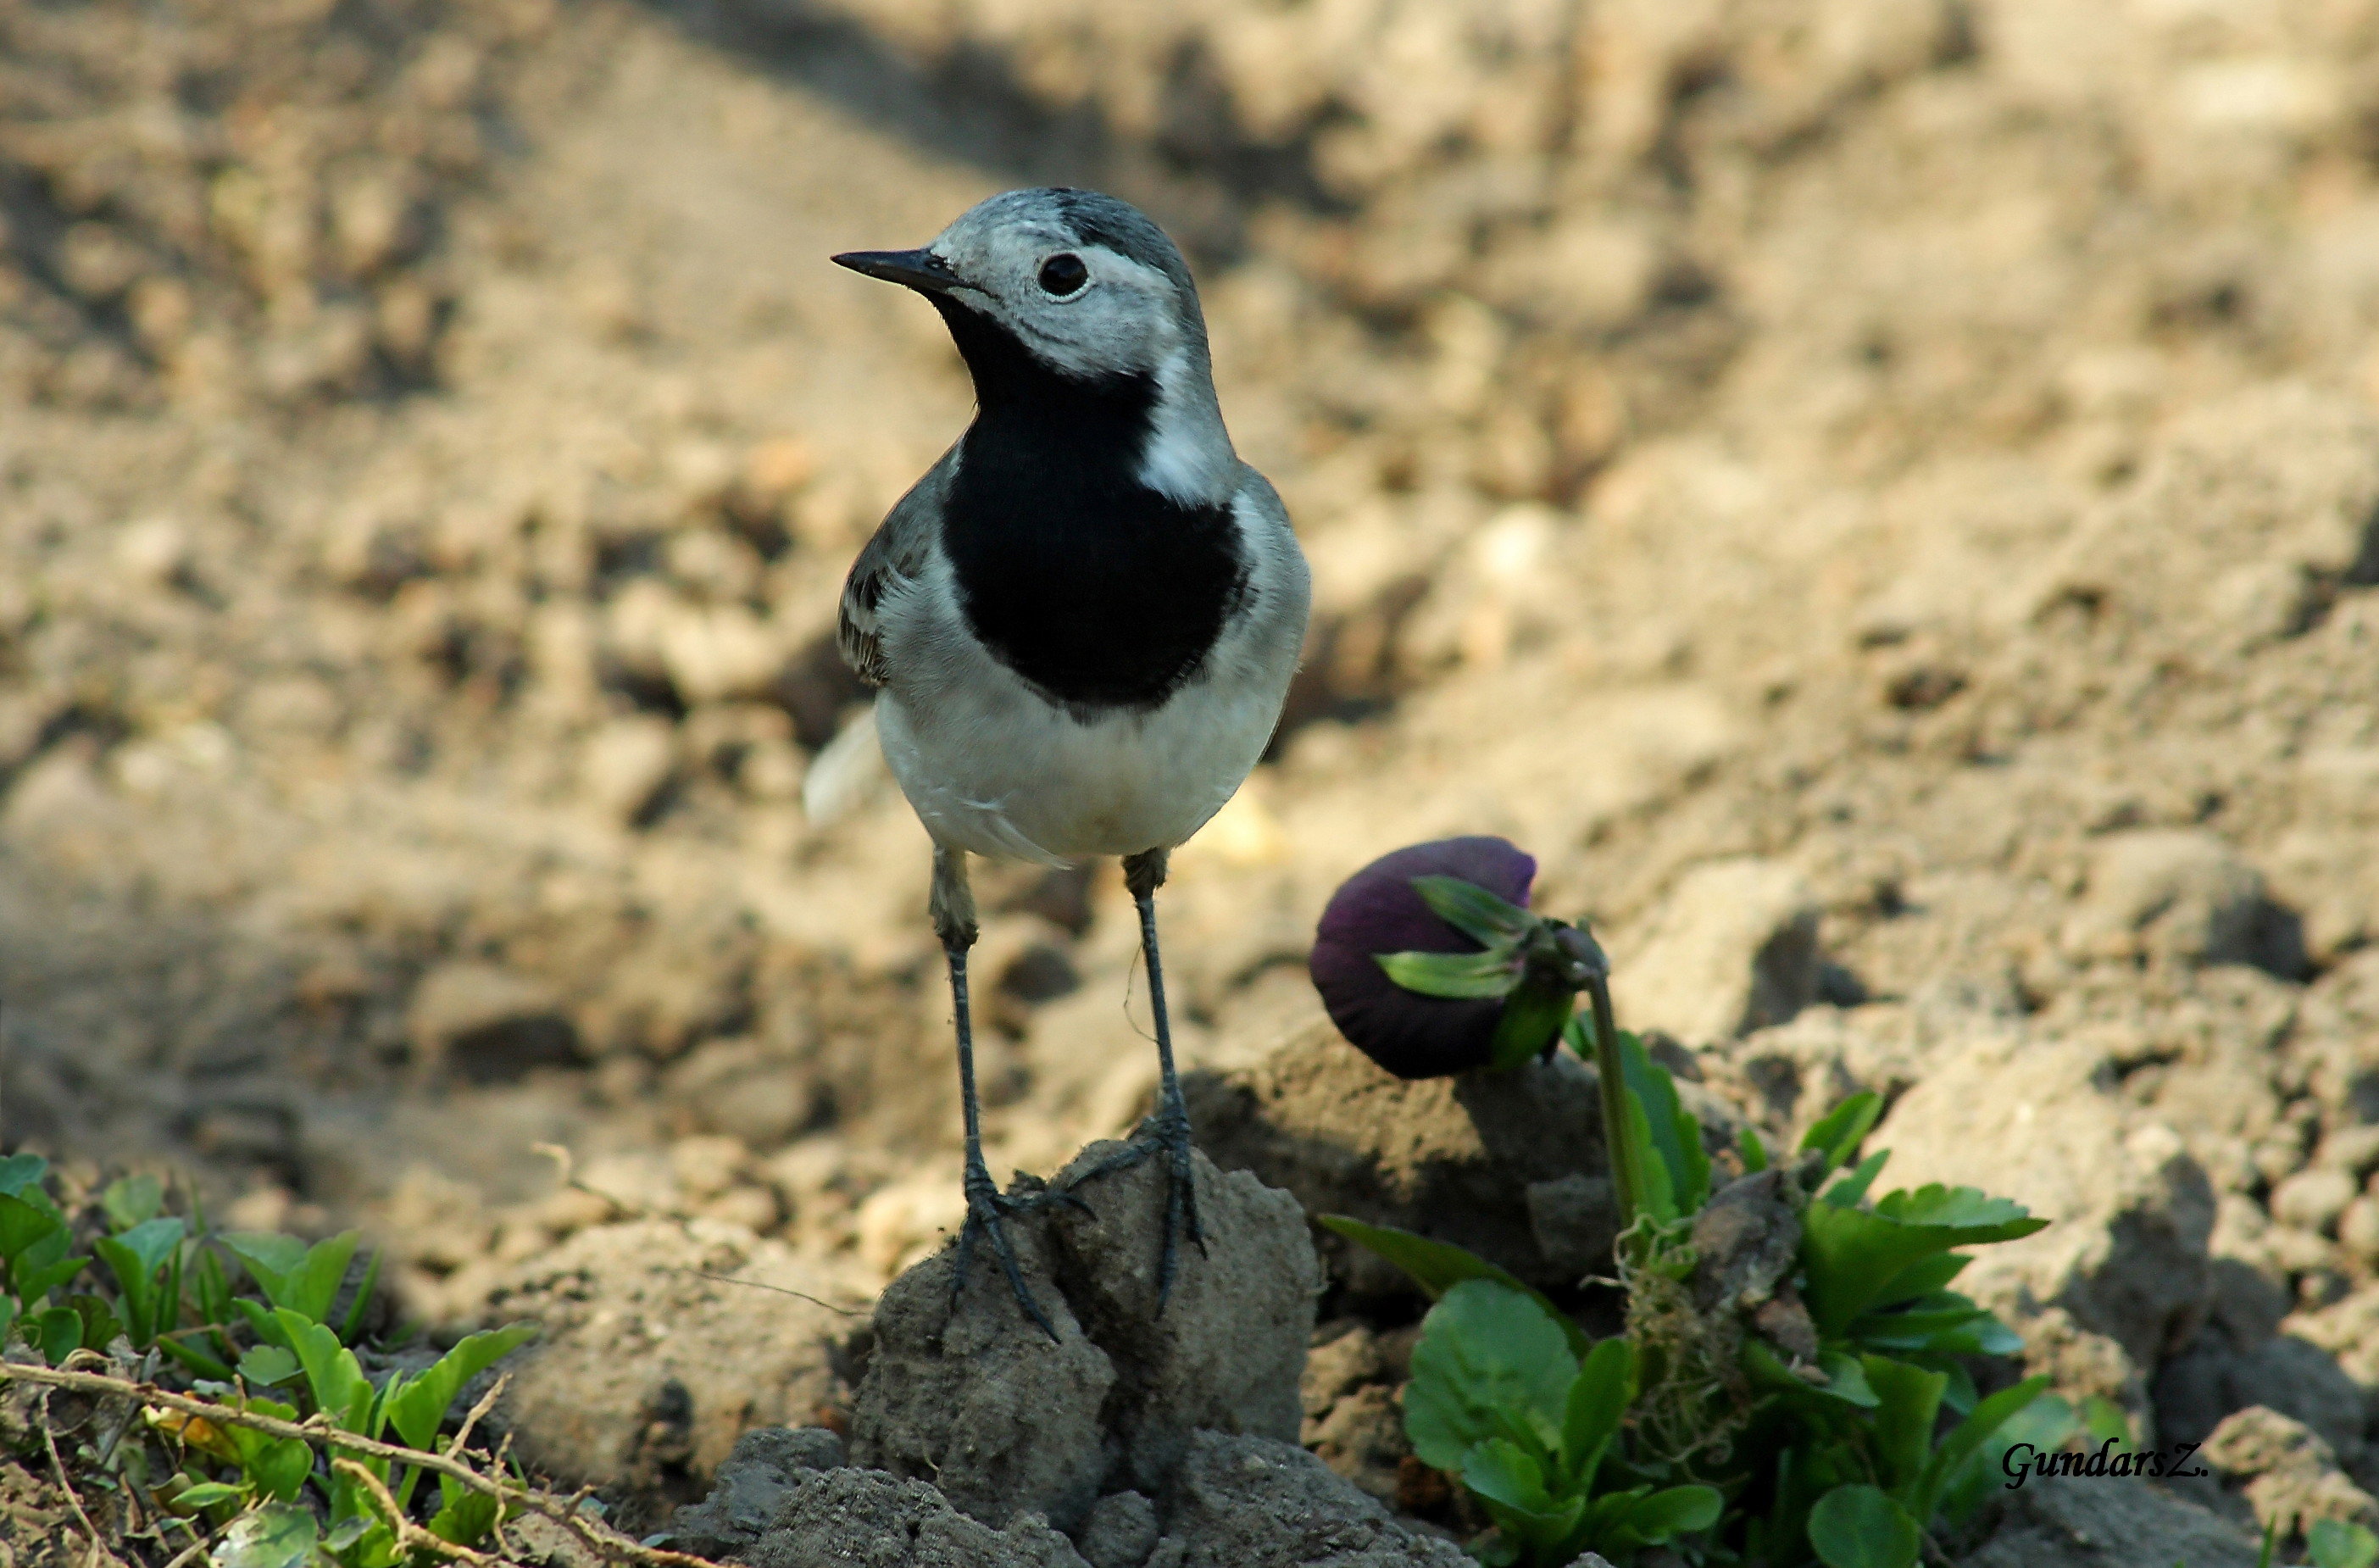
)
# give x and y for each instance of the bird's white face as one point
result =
(1082, 308)
(1086, 289)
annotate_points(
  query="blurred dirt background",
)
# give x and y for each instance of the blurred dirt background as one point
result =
(1878, 495)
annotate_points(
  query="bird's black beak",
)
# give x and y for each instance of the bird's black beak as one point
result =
(920, 270)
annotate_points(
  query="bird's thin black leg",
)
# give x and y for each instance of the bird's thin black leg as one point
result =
(1169, 1130)
(954, 922)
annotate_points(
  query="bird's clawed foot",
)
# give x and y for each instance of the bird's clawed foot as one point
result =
(988, 1210)
(1166, 1132)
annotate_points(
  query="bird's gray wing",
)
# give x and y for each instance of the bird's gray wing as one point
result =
(890, 561)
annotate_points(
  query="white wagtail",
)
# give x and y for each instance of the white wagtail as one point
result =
(1085, 617)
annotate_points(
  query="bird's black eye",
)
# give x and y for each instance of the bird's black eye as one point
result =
(1063, 274)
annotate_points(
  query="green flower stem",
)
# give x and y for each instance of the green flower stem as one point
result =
(1618, 1127)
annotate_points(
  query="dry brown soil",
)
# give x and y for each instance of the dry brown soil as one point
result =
(1929, 448)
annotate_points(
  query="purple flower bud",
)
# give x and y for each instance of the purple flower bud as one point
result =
(1375, 911)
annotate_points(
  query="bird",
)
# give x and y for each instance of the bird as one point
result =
(1082, 621)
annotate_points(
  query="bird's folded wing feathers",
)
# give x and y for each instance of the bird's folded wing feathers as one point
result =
(896, 554)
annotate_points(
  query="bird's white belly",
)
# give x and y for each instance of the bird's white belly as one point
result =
(998, 771)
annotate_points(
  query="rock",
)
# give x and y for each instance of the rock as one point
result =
(866, 1516)
(1449, 1157)
(1573, 1220)
(2313, 1198)
(1361, 1437)
(2287, 1473)
(2084, 1522)
(2079, 1363)
(2033, 1120)
(966, 1392)
(1338, 1366)
(649, 1371)
(2354, 1149)
(1745, 1240)
(2213, 1379)
(1120, 1532)
(1732, 948)
(1251, 1502)
(2186, 895)
(751, 1488)
(488, 1024)
(1003, 1420)
(626, 763)
(2349, 1330)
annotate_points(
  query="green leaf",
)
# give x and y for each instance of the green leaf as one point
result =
(268, 1364)
(337, 1381)
(1754, 1152)
(418, 1406)
(206, 1494)
(1597, 1402)
(1845, 1380)
(1849, 1192)
(136, 1258)
(1851, 1255)
(1671, 1513)
(1451, 975)
(18, 1171)
(1474, 911)
(362, 1303)
(1672, 1133)
(2105, 1421)
(1858, 1527)
(1508, 1479)
(1908, 1398)
(467, 1520)
(36, 1274)
(1438, 1266)
(22, 1224)
(269, 1258)
(100, 1323)
(59, 1332)
(1923, 1278)
(130, 1200)
(279, 1535)
(1966, 1440)
(260, 1320)
(1532, 1019)
(314, 1284)
(2339, 1543)
(196, 1360)
(1840, 1131)
(1975, 1216)
(212, 1288)
(278, 1466)
(1492, 1362)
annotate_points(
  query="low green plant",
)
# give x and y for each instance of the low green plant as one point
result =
(1847, 1457)
(2340, 1543)
(1827, 1415)
(276, 1347)
(1499, 1398)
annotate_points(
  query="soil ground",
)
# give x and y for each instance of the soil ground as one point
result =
(1929, 449)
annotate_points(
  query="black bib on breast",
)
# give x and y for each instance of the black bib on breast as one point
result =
(1099, 591)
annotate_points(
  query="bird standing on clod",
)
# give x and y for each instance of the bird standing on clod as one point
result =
(1085, 617)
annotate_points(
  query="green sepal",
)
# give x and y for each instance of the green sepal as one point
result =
(1473, 911)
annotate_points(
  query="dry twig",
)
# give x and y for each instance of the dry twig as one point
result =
(486, 1402)
(99, 1552)
(605, 1543)
(409, 1534)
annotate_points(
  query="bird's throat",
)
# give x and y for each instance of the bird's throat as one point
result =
(1095, 589)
